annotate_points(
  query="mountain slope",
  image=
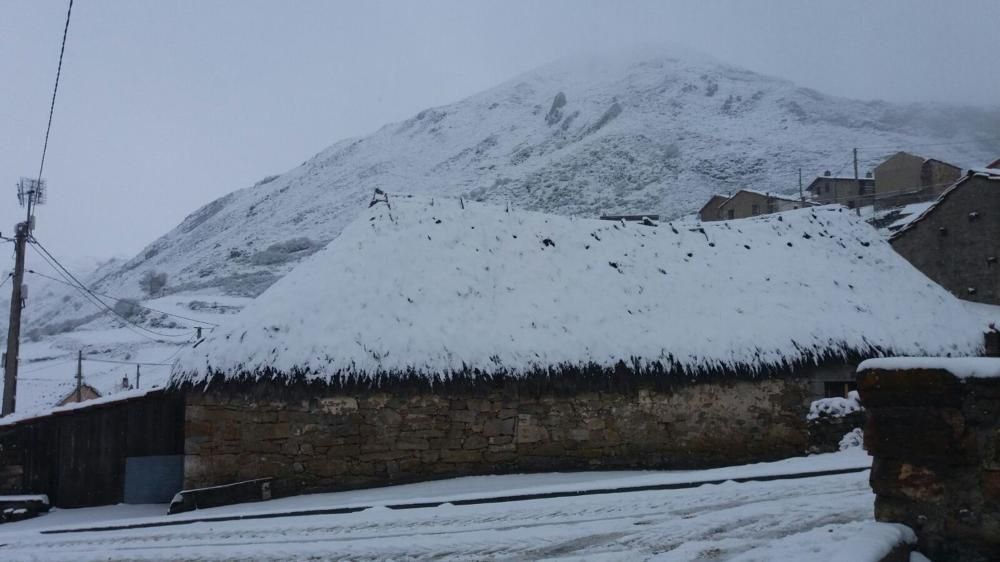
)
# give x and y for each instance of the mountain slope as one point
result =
(642, 131)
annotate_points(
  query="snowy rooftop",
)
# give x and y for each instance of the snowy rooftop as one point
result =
(962, 367)
(993, 175)
(430, 287)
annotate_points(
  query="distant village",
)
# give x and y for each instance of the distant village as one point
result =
(935, 212)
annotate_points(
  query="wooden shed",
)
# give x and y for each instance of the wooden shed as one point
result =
(105, 451)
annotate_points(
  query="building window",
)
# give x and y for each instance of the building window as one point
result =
(731, 214)
(838, 389)
(755, 210)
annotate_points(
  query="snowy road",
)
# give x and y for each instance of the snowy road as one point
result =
(825, 518)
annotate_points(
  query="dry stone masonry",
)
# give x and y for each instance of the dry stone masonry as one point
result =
(935, 439)
(311, 438)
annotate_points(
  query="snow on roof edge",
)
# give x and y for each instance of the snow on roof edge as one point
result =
(16, 418)
(961, 367)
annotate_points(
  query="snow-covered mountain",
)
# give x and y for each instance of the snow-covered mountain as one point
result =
(651, 131)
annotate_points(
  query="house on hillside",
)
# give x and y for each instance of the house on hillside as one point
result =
(956, 241)
(432, 339)
(747, 203)
(851, 192)
(86, 392)
(994, 165)
(907, 178)
(711, 210)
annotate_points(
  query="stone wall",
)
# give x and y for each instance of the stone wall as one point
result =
(958, 243)
(311, 438)
(935, 440)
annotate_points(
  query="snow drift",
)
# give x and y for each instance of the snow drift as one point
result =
(440, 287)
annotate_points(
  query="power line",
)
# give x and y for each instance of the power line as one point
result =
(55, 89)
(6, 279)
(54, 263)
(117, 299)
(117, 362)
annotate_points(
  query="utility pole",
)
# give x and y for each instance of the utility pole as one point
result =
(857, 180)
(14, 326)
(29, 193)
(137, 376)
(79, 376)
(801, 198)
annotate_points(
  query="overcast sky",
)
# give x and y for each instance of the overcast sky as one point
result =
(166, 105)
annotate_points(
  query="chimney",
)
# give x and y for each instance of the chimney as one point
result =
(827, 173)
(868, 175)
(992, 342)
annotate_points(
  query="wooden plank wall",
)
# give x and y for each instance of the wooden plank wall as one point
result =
(78, 457)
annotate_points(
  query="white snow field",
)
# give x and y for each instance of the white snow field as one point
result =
(443, 286)
(826, 518)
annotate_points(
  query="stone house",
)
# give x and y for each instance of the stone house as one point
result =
(747, 203)
(906, 177)
(433, 339)
(87, 392)
(710, 211)
(956, 242)
(485, 341)
(827, 189)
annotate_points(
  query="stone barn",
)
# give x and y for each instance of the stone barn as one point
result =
(439, 338)
(956, 241)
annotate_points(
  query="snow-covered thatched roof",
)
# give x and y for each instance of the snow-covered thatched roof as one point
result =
(438, 287)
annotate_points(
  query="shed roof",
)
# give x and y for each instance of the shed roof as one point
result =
(436, 288)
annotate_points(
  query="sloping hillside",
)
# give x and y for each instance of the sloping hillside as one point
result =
(633, 132)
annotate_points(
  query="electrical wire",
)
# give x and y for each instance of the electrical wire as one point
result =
(117, 299)
(59, 268)
(117, 362)
(6, 279)
(55, 89)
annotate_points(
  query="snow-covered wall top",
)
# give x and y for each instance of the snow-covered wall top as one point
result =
(961, 367)
(432, 287)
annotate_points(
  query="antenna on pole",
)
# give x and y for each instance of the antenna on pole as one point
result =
(30, 192)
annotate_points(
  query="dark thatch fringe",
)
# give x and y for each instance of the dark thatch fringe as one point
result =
(559, 380)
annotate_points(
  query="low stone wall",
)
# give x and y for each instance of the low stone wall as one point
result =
(935, 440)
(310, 438)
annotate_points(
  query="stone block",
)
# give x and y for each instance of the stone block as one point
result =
(461, 456)
(412, 443)
(496, 427)
(912, 388)
(918, 434)
(529, 430)
(464, 416)
(338, 405)
(474, 441)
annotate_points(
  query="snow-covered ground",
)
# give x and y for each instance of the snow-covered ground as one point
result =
(814, 519)
(111, 349)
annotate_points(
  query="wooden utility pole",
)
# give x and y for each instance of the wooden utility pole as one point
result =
(857, 180)
(79, 376)
(14, 326)
(801, 197)
(137, 376)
